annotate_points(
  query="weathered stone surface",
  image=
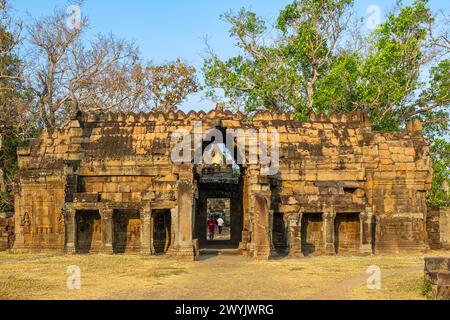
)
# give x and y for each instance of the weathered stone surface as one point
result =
(433, 264)
(342, 180)
(6, 231)
(437, 272)
(438, 227)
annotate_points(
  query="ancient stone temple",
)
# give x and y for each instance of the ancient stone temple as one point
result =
(107, 183)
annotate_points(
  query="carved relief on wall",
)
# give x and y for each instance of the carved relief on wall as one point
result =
(25, 223)
(61, 228)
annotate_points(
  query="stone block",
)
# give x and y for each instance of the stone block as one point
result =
(443, 292)
(437, 264)
(443, 278)
(86, 197)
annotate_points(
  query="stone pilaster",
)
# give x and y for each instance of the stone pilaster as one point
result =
(260, 232)
(245, 238)
(107, 230)
(146, 230)
(183, 246)
(328, 232)
(294, 235)
(366, 221)
(272, 246)
(173, 226)
(70, 229)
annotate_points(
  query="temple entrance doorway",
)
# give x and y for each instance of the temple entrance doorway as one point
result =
(219, 204)
(218, 220)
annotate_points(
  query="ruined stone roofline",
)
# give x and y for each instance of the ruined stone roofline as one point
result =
(354, 119)
(361, 117)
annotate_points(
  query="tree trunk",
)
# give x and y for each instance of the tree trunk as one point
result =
(3, 184)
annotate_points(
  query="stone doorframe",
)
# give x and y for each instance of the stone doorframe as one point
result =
(293, 231)
(147, 225)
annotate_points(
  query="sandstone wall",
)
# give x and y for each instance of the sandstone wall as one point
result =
(6, 231)
(444, 221)
(438, 227)
(437, 273)
(328, 165)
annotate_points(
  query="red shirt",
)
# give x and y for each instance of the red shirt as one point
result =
(211, 225)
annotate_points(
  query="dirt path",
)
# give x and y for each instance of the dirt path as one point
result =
(213, 277)
(343, 289)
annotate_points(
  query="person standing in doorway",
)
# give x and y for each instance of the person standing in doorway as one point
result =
(211, 227)
(220, 223)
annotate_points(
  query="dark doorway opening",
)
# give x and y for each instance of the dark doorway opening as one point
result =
(312, 233)
(127, 231)
(89, 231)
(162, 237)
(232, 193)
(347, 232)
(279, 233)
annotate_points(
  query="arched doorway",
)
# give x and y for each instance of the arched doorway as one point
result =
(220, 190)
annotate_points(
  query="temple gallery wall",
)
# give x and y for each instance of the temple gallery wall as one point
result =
(106, 183)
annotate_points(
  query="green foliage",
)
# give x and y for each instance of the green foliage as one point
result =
(390, 71)
(337, 89)
(6, 202)
(311, 66)
(427, 290)
(236, 172)
(440, 153)
(274, 77)
(14, 125)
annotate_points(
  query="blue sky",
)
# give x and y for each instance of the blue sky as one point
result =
(167, 29)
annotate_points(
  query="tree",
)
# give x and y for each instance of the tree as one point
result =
(170, 84)
(64, 72)
(315, 63)
(70, 74)
(440, 152)
(142, 87)
(284, 74)
(15, 118)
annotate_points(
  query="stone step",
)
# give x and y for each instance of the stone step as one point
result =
(212, 251)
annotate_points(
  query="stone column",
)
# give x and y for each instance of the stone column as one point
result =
(272, 246)
(70, 229)
(260, 232)
(173, 227)
(366, 220)
(183, 246)
(328, 228)
(294, 235)
(107, 230)
(146, 230)
(245, 239)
